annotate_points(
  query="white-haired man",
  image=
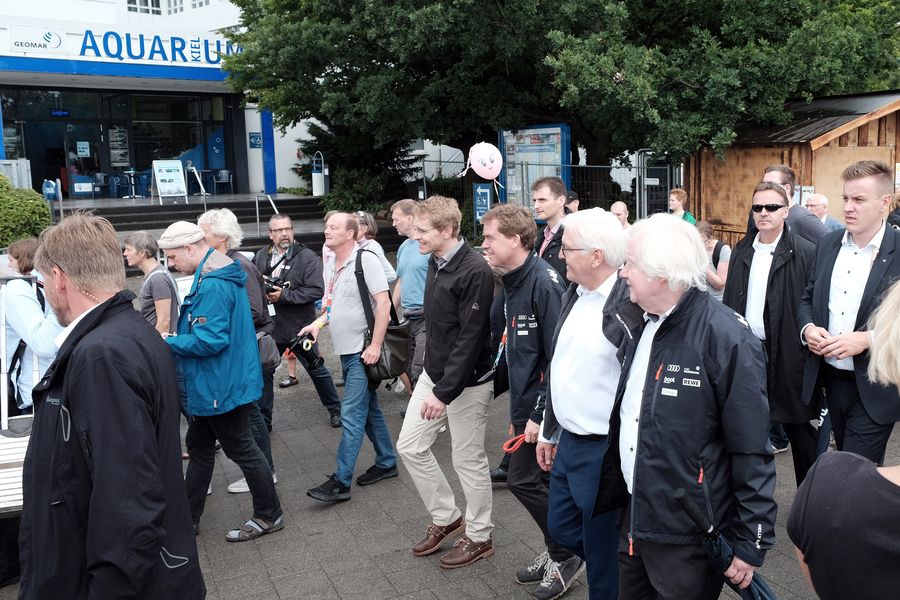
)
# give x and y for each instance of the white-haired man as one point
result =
(817, 204)
(691, 413)
(581, 389)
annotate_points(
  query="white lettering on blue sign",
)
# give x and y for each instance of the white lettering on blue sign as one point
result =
(141, 47)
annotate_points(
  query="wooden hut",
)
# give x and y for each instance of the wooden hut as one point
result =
(821, 138)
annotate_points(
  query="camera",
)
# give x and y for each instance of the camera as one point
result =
(275, 282)
(303, 346)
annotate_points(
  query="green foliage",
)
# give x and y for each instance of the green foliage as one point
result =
(624, 74)
(23, 213)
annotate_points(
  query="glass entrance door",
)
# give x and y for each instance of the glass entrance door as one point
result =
(82, 149)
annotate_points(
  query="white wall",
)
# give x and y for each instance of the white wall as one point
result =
(286, 157)
(85, 11)
(254, 155)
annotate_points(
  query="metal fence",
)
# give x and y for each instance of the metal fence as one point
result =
(643, 188)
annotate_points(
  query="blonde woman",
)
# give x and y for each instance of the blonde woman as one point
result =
(856, 555)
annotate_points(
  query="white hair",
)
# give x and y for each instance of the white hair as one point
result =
(596, 229)
(813, 197)
(223, 223)
(670, 248)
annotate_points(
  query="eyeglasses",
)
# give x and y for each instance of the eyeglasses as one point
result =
(814, 205)
(420, 231)
(282, 230)
(758, 208)
(564, 250)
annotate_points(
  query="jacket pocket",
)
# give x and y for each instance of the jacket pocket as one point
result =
(701, 480)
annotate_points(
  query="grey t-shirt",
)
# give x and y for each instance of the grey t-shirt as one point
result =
(348, 319)
(724, 257)
(159, 285)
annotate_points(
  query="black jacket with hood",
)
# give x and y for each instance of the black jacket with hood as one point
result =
(105, 512)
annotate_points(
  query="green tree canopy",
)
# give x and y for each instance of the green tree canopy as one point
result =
(666, 74)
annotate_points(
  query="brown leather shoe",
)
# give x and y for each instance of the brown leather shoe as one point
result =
(465, 552)
(435, 534)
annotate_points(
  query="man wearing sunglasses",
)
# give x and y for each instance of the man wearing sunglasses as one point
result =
(766, 278)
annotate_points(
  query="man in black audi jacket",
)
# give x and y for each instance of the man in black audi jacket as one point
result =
(105, 512)
(532, 302)
(691, 412)
(294, 306)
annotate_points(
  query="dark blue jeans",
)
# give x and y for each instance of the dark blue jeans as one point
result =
(322, 381)
(361, 413)
(574, 482)
(232, 429)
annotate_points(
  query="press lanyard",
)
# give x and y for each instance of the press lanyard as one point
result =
(329, 292)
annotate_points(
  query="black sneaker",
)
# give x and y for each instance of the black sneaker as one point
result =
(534, 572)
(335, 419)
(498, 475)
(558, 577)
(374, 474)
(330, 491)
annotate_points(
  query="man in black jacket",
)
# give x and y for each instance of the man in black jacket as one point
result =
(766, 280)
(581, 389)
(691, 413)
(852, 272)
(293, 305)
(549, 195)
(532, 300)
(105, 513)
(454, 389)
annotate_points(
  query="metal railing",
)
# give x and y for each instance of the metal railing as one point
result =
(256, 204)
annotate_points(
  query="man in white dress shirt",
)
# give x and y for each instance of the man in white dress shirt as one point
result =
(581, 387)
(853, 270)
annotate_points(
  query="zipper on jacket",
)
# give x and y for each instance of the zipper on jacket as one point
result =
(701, 481)
(634, 470)
(655, 390)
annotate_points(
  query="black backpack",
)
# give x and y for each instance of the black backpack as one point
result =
(717, 252)
(15, 363)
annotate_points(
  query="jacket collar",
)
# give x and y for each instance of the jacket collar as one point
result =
(514, 278)
(455, 260)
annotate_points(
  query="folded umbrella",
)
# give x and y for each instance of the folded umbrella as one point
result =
(719, 551)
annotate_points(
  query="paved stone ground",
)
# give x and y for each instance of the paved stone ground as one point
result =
(361, 549)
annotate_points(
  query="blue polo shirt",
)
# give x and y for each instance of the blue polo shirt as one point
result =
(412, 268)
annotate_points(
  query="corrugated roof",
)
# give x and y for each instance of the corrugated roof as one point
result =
(813, 119)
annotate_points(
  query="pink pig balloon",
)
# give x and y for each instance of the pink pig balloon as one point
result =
(486, 160)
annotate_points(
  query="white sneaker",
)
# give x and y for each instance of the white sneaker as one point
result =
(240, 486)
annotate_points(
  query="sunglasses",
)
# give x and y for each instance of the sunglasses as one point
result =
(757, 208)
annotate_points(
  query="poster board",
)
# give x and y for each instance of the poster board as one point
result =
(531, 153)
(169, 178)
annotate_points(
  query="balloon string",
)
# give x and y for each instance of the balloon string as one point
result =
(468, 164)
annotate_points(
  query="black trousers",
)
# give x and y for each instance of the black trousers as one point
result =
(9, 549)
(232, 429)
(803, 438)
(530, 485)
(657, 571)
(854, 430)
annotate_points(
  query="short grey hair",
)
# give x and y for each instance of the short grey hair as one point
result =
(817, 196)
(223, 223)
(669, 248)
(597, 229)
(143, 242)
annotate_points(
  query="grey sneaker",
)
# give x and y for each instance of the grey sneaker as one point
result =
(557, 578)
(534, 572)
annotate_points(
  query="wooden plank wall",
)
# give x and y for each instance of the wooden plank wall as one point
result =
(719, 190)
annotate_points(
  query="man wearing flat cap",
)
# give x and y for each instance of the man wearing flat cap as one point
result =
(216, 348)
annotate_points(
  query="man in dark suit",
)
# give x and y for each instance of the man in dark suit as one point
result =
(852, 272)
(799, 220)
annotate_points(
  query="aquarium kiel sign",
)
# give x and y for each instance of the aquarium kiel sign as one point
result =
(128, 46)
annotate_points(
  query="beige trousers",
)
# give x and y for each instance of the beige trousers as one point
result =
(466, 417)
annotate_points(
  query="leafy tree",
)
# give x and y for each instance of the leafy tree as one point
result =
(23, 213)
(668, 74)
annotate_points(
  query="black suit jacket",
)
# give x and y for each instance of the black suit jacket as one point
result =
(881, 402)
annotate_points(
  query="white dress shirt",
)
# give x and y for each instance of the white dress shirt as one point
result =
(630, 411)
(848, 281)
(757, 284)
(584, 372)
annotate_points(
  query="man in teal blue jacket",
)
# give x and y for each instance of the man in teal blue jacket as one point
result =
(217, 351)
